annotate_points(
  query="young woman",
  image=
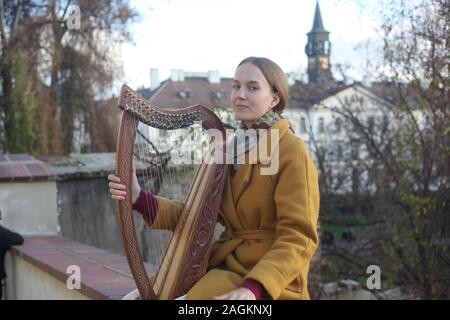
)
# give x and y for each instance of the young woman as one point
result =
(270, 220)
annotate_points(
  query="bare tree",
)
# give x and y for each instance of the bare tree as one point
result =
(396, 155)
(68, 69)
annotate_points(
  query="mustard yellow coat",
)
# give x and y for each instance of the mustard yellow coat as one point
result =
(270, 224)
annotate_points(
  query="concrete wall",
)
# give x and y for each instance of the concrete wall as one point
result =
(87, 214)
(78, 206)
(29, 208)
(26, 282)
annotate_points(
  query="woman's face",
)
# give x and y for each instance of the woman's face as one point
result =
(252, 95)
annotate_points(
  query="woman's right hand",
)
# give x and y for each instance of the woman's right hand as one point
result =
(117, 188)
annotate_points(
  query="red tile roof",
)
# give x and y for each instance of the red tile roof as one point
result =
(23, 167)
(191, 91)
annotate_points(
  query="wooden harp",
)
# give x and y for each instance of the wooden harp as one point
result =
(187, 254)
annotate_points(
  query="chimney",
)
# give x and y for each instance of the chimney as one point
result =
(366, 81)
(177, 75)
(213, 76)
(154, 78)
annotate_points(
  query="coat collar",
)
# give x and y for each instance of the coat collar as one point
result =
(241, 179)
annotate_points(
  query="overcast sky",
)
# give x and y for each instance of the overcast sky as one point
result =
(202, 35)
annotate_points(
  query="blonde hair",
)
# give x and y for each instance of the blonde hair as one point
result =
(274, 76)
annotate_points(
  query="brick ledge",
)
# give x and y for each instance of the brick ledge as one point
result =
(104, 275)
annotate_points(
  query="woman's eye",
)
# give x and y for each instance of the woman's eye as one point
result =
(236, 86)
(253, 88)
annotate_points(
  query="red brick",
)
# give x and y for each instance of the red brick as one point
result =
(103, 274)
(19, 157)
(38, 170)
(4, 173)
(17, 170)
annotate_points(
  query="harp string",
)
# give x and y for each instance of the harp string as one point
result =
(158, 174)
(147, 181)
(158, 243)
(162, 178)
(147, 155)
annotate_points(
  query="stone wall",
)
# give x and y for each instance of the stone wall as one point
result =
(87, 213)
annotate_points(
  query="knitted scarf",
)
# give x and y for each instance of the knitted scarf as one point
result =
(238, 141)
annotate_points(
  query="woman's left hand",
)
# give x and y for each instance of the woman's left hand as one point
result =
(238, 294)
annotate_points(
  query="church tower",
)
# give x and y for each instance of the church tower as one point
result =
(318, 51)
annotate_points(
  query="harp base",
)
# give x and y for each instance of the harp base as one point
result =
(134, 295)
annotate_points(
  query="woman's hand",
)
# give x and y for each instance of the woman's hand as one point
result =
(117, 188)
(238, 294)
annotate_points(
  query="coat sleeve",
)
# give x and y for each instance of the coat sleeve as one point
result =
(167, 215)
(297, 208)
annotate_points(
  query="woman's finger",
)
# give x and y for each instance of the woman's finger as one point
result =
(113, 178)
(235, 297)
(119, 186)
(118, 197)
(238, 294)
(117, 192)
(223, 297)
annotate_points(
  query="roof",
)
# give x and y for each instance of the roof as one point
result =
(318, 24)
(191, 91)
(398, 93)
(198, 90)
(306, 95)
(147, 93)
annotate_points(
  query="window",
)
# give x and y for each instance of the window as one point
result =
(355, 150)
(327, 47)
(371, 123)
(321, 125)
(338, 125)
(164, 133)
(320, 46)
(302, 125)
(339, 152)
(385, 123)
(310, 49)
(184, 94)
(355, 181)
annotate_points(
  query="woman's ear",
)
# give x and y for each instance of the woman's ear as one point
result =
(276, 99)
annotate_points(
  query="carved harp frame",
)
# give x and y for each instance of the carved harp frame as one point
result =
(188, 251)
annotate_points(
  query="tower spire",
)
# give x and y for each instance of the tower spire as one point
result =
(318, 51)
(317, 24)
